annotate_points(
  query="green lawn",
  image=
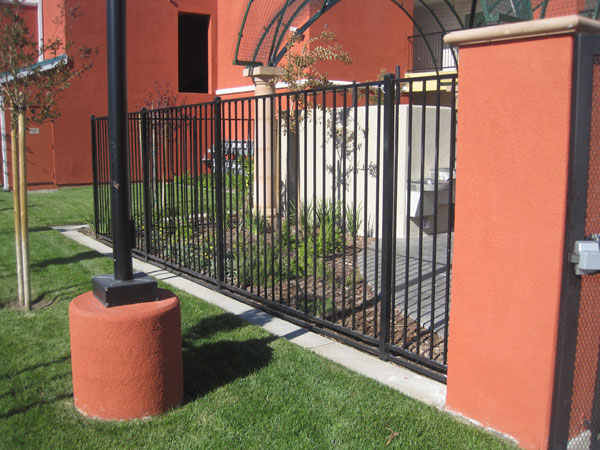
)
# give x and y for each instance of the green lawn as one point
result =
(244, 388)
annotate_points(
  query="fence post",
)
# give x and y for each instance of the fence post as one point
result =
(95, 175)
(388, 213)
(218, 168)
(146, 181)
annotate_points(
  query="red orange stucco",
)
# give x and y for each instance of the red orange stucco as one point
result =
(512, 162)
(126, 360)
(374, 36)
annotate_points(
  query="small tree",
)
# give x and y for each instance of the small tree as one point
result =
(301, 70)
(161, 97)
(301, 66)
(31, 91)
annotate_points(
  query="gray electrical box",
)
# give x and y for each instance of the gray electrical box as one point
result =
(586, 257)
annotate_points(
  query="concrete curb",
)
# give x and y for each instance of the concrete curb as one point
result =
(403, 380)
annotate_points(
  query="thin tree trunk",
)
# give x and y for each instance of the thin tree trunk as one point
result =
(17, 204)
(23, 201)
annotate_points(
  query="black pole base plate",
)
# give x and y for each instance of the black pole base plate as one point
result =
(111, 292)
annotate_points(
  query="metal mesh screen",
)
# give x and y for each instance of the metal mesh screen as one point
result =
(557, 8)
(585, 408)
(266, 26)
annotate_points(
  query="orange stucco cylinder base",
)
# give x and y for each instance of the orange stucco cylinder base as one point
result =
(126, 360)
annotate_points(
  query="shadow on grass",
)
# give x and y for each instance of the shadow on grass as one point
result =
(65, 293)
(41, 401)
(24, 409)
(50, 297)
(67, 260)
(212, 325)
(31, 230)
(211, 365)
(36, 366)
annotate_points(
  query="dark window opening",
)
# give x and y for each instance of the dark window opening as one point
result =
(193, 53)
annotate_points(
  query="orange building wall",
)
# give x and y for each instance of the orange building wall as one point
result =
(38, 154)
(152, 56)
(373, 32)
(29, 13)
(51, 11)
(512, 162)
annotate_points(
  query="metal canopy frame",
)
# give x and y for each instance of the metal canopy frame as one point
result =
(273, 34)
(275, 30)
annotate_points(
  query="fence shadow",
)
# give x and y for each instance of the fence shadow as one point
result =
(36, 366)
(82, 256)
(212, 325)
(209, 366)
(12, 391)
(26, 408)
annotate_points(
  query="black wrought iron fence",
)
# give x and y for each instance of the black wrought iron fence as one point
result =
(331, 206)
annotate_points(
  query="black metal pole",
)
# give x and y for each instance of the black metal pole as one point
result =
(123, 287)
(117, 135)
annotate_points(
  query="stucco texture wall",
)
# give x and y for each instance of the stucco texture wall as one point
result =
(512, 161)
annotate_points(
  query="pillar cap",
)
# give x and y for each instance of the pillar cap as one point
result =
(263, 71)
(521, 30)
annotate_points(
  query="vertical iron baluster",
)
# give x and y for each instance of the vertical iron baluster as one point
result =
(366, 216)
(280, 197)
(435, 218)
(146, 183)
(421, 218)
(230, 165)
(178, 168)
(219, 193)
(195, 161)
(278, 193)
(242, 223)
(322, 207)
(314, 206)
(305, 202)
(334, 163)
(407, 212)
(395, 212)
(289, 197)
(296, 199)
(202, 121)
(237, 193)
(254, 208)
(354, 200)
(95, 175)
(377, 221)
(450, 215)
(387, 284)
(213, 194)
(344, 154)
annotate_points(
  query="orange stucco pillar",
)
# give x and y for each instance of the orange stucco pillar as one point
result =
(126, 360)
(515, 87)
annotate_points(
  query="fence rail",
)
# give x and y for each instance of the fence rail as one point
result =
(331, 206)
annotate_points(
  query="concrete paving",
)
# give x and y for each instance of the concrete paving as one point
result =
(416, 296)
(403, 380)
